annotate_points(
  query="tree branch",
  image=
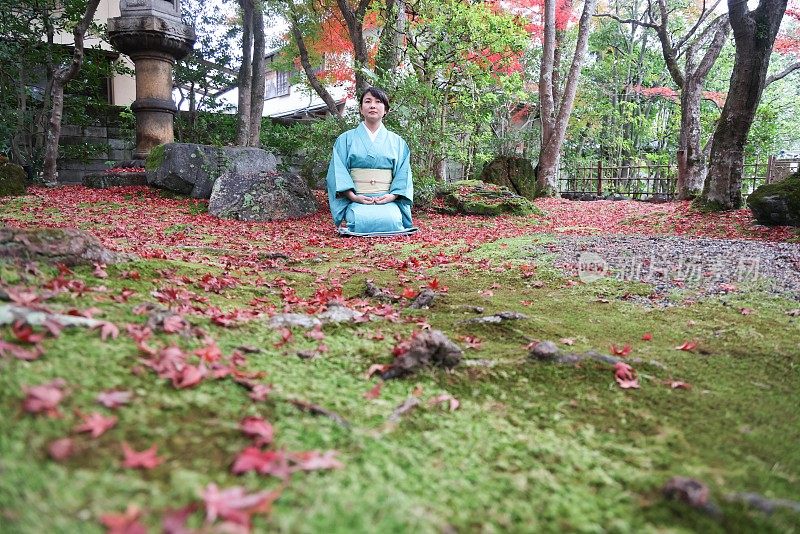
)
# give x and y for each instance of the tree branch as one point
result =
(782, 74)
(635, 22)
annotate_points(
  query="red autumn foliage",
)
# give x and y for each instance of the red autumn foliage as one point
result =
(235, 504)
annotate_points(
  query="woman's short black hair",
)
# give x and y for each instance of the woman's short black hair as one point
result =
(380, 94)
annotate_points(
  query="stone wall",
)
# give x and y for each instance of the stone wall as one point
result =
(88, 149)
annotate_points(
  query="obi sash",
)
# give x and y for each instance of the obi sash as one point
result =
(371, 181)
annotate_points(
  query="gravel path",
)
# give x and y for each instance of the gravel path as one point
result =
(708, 266)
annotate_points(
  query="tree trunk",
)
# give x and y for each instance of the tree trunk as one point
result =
(259, 74)
(754, 34)
(554, 121)
(323, 93)
(690, 182)
(389, 52)
(62, 76)
(245, 75)
(354, 20)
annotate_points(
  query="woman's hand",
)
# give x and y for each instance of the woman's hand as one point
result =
(359, 199)
(384, 199)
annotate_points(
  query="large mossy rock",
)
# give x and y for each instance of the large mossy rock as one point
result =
(13, 179)
(264, 196)
(512, 172)
(190, 169)
(54, 245)
(777, 203)
(474, 197)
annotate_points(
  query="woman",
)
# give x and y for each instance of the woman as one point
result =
(369, 177)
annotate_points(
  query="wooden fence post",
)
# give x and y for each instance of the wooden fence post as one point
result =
(600, 178)
(770, 161)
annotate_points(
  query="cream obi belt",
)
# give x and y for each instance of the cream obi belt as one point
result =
(369, 181)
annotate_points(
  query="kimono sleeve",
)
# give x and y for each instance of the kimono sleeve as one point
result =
(339, 179)
(402, 185)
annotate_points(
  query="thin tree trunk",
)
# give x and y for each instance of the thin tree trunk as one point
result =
(389, 51)
(354, 20)
(245, 75)
(62, 76)
(259, 76)
(691, 183)
(554, 123)
(323, 93)
(754, 34)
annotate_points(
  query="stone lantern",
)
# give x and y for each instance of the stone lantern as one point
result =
(152, 34)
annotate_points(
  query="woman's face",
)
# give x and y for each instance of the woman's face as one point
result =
(372, 108)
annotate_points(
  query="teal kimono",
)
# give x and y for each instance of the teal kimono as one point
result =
(354, 149)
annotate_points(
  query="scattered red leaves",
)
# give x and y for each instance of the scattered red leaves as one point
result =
(687, 346)
(147, 459)
(647, 336)
(677, 384)
(286, 337)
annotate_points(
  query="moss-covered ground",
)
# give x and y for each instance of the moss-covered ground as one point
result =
(532, 447)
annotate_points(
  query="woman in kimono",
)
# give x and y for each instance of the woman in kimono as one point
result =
(369, 177)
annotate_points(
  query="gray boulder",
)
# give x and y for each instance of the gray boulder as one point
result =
(262, 196)
(69, 246)
(777, 203)
(192, 170)
(514, 173)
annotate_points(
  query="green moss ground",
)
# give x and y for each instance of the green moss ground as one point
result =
(533, 447)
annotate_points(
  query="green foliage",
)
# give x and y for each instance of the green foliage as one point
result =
(28, 59)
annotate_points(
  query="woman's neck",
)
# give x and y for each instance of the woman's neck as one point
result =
(373, 126)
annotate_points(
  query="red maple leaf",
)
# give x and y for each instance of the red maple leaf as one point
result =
(625, 376)
(677, 384)
(647, 336)
(61, 449)
(316, 333)
(147, 459)
(409, 293)
(25, 333)
(188, 376)
(273, 463)
(315, 460)
(688, 346)
(286, 336)
(21, 353)
(96, 424)
(235, 504)
(107, 330)
(374, 392)
(210, 352)
(173, 323)
(100, 270)
(126, 523)
(444, 397)
(621, 351)
(433, 284)
(258, 429)
(113, 399)
(44, 398)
